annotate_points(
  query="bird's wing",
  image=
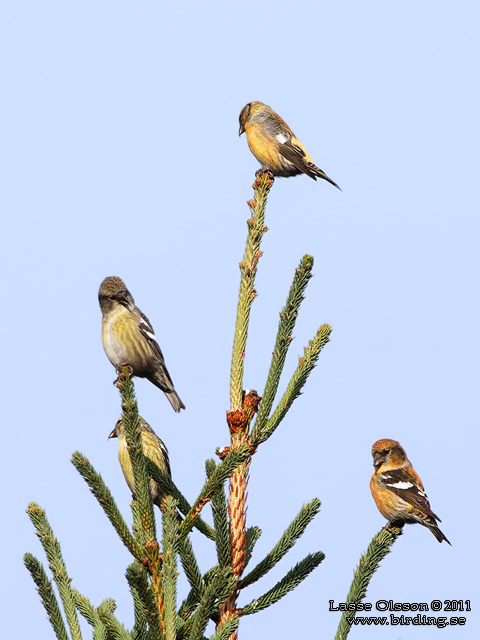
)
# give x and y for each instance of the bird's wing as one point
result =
(399, 482)
(166, 459)
(147, 332)
(296, 155)
(146, 329)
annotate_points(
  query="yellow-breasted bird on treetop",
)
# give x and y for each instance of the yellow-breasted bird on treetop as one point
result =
(398, 490)
(128, 338)
(274, 144)
(153, 448)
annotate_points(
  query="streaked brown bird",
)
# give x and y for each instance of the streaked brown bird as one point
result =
(128, 338)
(274, 144)
(153, 448)
(398, 491)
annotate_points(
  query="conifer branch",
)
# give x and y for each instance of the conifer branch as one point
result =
(170, 489)
(220, 521)
(216, 592)
(137, 586)
(140, 629)
(142, 506)
(156, 585)
(116, 630)
(286, 542)
(56, 563)
(88, 611)
(294, 388)
(191, 601)
(378, 548)
(227, 628)
(169, 569)
(291, 580)
(192, 572)
(187, 607)
(137, 578)
(47, 595)
(214, 483)
(288, 317)
(85, 608)
(237, 511)
(252, 534)
(105, 498)
(247, 294)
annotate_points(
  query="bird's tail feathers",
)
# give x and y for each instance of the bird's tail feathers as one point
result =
(162, 380)
(439, 535)
(315, 171)
(175, 400)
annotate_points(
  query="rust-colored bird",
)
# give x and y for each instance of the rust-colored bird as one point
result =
(398, 490)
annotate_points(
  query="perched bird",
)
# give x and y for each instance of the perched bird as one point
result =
(128, 338)
(397, 489)
(153, 448)
(274, 144)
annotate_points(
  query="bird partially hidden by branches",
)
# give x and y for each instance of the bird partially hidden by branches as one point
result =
(153, 448)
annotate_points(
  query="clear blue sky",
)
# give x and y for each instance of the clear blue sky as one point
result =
(120, 156)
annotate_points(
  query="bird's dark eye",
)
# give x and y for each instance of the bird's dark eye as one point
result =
(385, 451)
